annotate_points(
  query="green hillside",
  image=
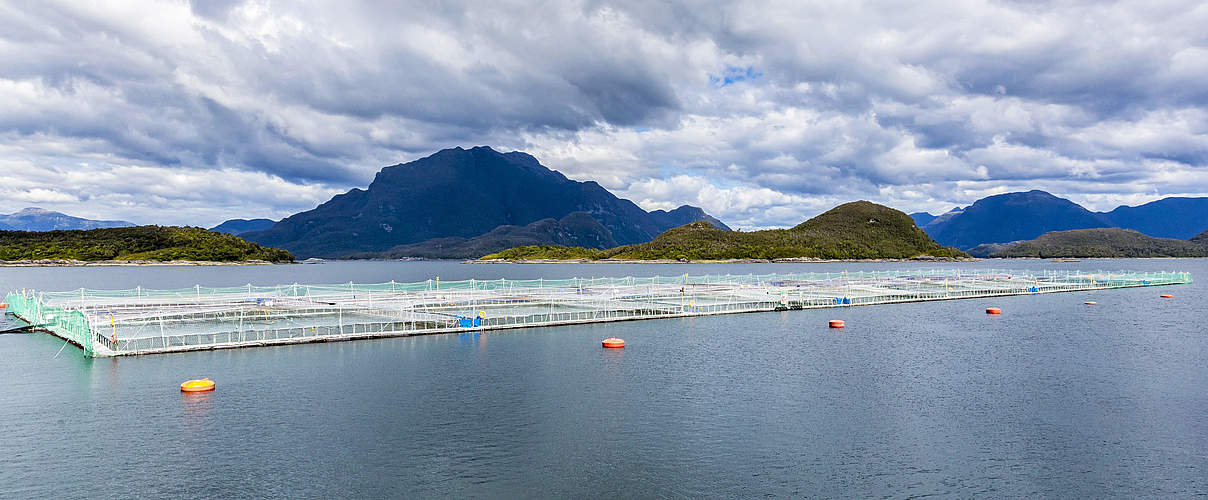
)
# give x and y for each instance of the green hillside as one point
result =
(857, 230)
(1104, 242)
(152, 243)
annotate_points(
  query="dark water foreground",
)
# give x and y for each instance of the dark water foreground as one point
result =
(1053, 398)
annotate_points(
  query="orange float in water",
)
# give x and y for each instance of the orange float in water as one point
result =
(1167, 296)
(3, 305)
(1090, 303)
(613, 343)
(201, 385)
(837, 323)
(993, 310)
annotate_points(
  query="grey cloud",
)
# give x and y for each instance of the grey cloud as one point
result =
(922, 105)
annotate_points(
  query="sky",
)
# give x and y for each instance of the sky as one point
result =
(763, 113)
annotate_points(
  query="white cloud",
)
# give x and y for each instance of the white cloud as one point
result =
(923, 105)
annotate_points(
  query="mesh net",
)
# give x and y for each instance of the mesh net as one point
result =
(138, 321)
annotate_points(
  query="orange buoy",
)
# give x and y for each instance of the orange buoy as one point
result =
(1167, 296)
(1091, 303)
(3, 305)
(195, 385)
(837, 323)
(613, 343)
(993, 310)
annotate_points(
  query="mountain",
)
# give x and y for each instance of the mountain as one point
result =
(1010, 217)
(989, 249)
(1026, 215)
(685, 214)
(1173, 217)
(240, 226)
(922, 218)
(857, 230)
(576, 229)
(943, 218)
(457, 192)
(1201, 238)
(37, 219)
(1103, 242)
(153, 243)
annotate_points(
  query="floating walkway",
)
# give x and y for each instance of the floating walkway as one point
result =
(139, 321)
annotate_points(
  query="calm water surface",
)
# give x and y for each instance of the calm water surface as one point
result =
(1052, 399)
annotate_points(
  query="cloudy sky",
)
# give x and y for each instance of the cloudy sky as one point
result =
(763, 113)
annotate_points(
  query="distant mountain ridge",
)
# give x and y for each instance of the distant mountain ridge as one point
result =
(1174, 217)
(240, 226)
(922, 218)
(685, 214)
(38, 219)
(1023, 216)
(1010, 217)
(459, 193)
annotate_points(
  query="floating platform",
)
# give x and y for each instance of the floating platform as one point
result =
(140, 321)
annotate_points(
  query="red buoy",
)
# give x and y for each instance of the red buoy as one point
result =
(1090, 303)
(837, 323)
(1167, 296)
(993, 310)
(613, 343)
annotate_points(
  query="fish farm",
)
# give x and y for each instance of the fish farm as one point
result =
(141, 321)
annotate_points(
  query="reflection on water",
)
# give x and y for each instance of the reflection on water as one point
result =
(195, 408)
(614, 358)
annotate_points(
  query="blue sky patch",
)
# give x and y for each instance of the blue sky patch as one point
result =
(734, 74)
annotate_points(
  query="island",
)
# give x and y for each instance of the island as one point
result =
(1108, 242)
(133, 245)
(859, 230)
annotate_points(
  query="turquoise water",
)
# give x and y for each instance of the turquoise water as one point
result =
(1053, 398)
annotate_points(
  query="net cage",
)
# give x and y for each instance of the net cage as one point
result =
(144, 321)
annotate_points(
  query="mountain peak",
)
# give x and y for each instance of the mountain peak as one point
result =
(457, 193)
(1012, 217)
(36, 211)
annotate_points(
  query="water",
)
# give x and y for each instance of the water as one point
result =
(1053, 398)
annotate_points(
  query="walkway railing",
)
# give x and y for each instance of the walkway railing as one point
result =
(141, 321)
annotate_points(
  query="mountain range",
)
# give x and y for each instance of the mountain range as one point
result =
(1021, 216)
(463, 198)
(37, 219)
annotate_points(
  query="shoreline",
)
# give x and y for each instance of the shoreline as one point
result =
(797, 260)
(131, 263)
(790, 260)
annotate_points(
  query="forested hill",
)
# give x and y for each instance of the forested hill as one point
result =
(149, 243)
(857, 230)
(1104, 242)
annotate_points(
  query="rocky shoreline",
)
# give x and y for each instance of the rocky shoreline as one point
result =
(724, 261)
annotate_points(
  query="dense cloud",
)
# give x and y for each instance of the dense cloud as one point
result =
(761, 112)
